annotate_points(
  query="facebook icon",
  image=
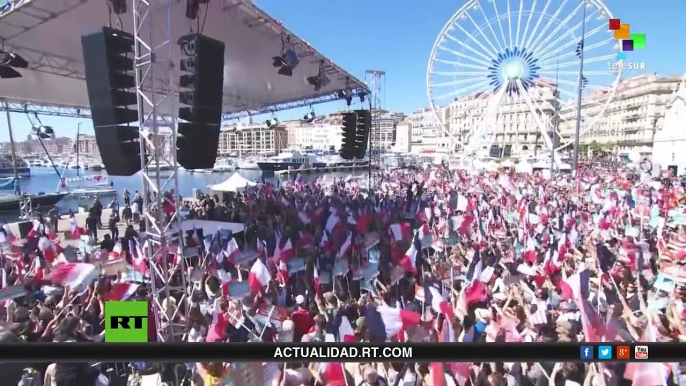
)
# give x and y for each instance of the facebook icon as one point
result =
(586, 352)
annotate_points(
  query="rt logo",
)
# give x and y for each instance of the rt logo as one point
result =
(641, 352)
(126, 322)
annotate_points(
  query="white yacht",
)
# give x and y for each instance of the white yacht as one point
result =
(224, 165)
(247, 164)
(290, 160)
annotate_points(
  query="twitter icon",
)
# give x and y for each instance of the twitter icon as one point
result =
(604, 352)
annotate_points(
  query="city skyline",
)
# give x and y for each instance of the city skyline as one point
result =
(403, 53)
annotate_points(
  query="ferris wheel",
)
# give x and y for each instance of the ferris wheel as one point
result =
(496, 57)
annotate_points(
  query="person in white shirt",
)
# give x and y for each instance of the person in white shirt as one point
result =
(135, 212)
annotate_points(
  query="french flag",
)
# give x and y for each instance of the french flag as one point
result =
(76, 231)
(47, 248)
(409, 260)
(116, 251)
(37, 230)
(325, 244)
(137, 257)
(259, 276)
(333, 373)
(332, 222)
(346, 245)
(284, 252)
(401, 231)
(385, 322)
(38, 265)
(231, 251)
(74, 274)
(431, 296)
(342, 329)
(121, 291)
(315, 280)
(646, 374)
(425, 234)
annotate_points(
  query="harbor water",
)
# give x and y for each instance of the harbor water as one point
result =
(46, 180)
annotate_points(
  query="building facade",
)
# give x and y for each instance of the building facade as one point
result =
(669, 141)
(512, 128)
(324, 135)
(87, 145)
(631, 119)
(426, 133)
(403, 137)
(252, 140)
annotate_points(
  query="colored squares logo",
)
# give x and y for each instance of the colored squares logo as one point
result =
(639, 41)
(623, 32)
(628, 41)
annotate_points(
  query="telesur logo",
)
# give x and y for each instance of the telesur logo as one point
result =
(626, 42)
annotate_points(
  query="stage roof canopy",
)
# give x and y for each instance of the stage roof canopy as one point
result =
(47, 33)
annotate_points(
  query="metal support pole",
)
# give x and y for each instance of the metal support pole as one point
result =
(375, 80)
(577, 131)
(12, 148)
(155, 84)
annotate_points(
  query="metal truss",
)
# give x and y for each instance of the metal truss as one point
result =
(375, 79)
(49, 110)
(155, 71)
(293, 104)
(49, 63)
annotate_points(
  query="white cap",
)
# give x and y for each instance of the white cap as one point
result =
(300, 300)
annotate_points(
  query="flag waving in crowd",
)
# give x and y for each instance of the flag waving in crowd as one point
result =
(434, 255)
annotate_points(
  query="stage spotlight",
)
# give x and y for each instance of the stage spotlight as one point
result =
(8, 60)
(309, 117)
(7, 72)
(349, 101)
(43, 132)
(271, 123)
(13, 60)
(341, 94)
(288, 60)
(362, 96)
(320, 80)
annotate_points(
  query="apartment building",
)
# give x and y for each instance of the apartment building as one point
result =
(323, 134)
(252, 140)
(632, 117)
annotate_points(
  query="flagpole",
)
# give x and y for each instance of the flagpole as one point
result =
(579, 89)
(556, 124)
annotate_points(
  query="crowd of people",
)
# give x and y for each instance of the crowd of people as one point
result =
(468, 255)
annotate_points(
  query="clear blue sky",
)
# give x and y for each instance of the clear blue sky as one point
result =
(397, 37)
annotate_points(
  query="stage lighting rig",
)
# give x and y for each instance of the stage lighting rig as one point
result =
(8, 62)
(362, 96)
(271, 123)
(118, 7)
(43, 132)
(288, 60)
(347, 95)
(309, 117)
(320, 80)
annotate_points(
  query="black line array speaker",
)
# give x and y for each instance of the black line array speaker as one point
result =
(109, 65)
(363, 128)
(202, 91)
(349, 122)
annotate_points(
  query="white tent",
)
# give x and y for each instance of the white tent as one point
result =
(235, 183)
